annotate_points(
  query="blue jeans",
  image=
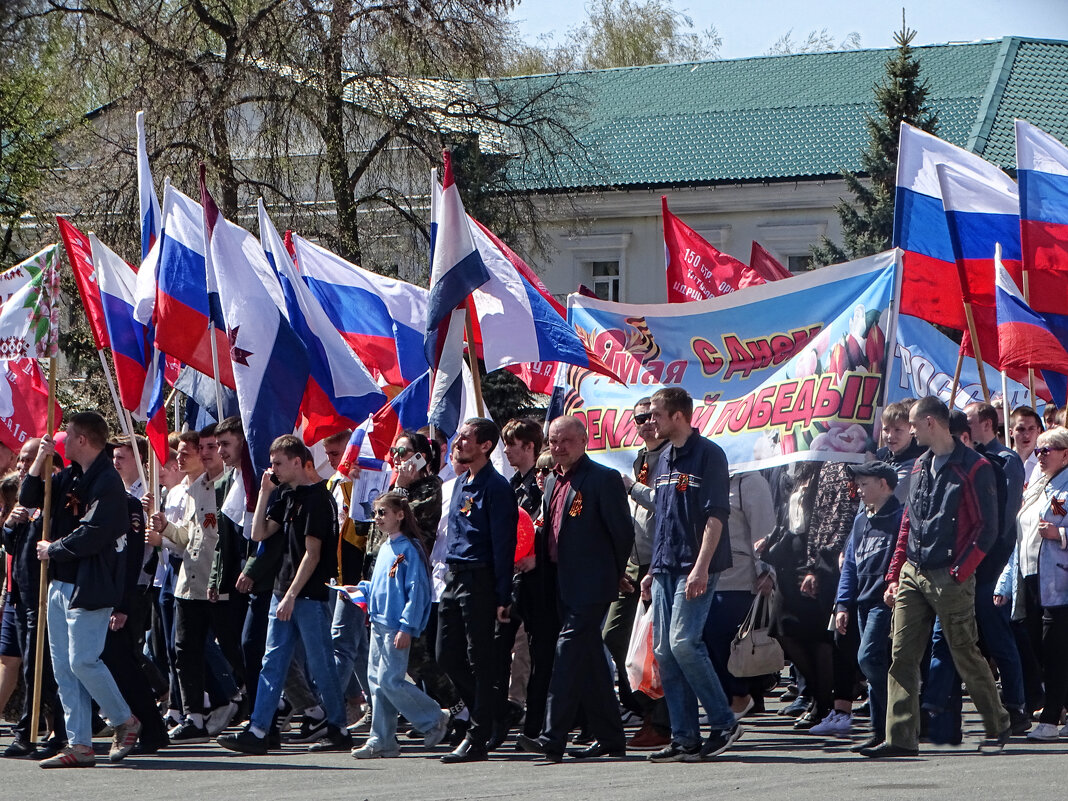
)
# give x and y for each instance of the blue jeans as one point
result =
(873, 657)
(76, 639)
(394, 695)
(685, 668)
(349, 633)
(310, 624)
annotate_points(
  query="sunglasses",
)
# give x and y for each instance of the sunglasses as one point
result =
(542, 471)
(380, 512)
(642, 419)
(400, 451)
(1045, 450)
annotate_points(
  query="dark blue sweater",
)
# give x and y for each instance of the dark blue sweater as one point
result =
(867, 556)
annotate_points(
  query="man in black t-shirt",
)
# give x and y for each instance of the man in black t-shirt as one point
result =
(305, 515)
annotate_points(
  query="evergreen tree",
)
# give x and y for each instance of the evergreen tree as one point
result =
(868, 221)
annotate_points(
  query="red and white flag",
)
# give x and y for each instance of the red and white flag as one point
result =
(23, 403)
(695, 269)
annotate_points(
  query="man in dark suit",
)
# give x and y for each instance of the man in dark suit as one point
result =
(588, 534)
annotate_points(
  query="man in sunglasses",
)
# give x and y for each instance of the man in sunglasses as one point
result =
(951, 522)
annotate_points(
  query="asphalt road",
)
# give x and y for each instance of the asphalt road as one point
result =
(769, 762)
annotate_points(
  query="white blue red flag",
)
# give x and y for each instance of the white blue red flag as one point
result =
(931, 287)
(456, 270)
(340, 391)
(1029, 339)
(187, 310)
(269, 361)
(382, 319)
(1042, 170)
(80, 256)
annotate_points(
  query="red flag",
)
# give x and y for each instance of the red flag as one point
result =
(81, 260)
(695, 269)
(24, 403)
(765, 265)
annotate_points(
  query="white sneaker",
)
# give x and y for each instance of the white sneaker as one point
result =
(1064, 731)
(836, 724)
(1045, 732)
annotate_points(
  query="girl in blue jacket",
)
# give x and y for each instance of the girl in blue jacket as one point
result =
(398, 605)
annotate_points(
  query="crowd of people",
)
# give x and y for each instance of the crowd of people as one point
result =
(212, 605)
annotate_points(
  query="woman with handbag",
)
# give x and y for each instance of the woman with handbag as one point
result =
(752, 519)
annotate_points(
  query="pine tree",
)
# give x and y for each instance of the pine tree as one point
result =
(868, 221)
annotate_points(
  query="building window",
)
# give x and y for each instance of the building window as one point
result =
(605, 279)
(799, 264)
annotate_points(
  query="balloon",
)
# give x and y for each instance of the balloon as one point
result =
(524, 539)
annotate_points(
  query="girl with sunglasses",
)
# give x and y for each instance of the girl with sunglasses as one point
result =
(398, 606)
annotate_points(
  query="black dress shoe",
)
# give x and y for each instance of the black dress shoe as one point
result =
(597, 750)
(888, 751)
(467, 751)
(152, 747)
(534, 746)
(868, 744)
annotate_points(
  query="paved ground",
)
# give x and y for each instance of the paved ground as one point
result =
(769, 762)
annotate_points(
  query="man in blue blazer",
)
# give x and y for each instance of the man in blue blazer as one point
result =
(587, 532)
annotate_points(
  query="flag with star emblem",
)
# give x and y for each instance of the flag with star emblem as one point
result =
(268, 358)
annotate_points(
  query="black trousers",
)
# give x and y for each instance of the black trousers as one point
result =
(1054, 662)
(26, 631)
(540, 609)
(194, 619)
(123, 657)
(466, 619)
(582, 679)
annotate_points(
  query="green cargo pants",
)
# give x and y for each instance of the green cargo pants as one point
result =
(921, 595)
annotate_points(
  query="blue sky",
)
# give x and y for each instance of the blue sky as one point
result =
(750, 27)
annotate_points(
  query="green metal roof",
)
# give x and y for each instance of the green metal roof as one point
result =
(802, 116)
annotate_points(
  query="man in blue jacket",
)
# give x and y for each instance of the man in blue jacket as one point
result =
(89, 521)
(863, 582)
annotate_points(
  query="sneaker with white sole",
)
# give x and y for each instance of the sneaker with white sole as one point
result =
(125, 739)
(310, 731)
(1045, 733)
(371, 750)
(438, 732)
(188, 734)
(836, 724)
(362, 725)
(70, 757)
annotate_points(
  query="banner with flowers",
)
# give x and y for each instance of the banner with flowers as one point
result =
(791, 370)
(29, 307)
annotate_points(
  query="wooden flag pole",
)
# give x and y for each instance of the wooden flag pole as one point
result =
(1027, 300)
(976, 349)
(42, 594)
(472, 358)
(956, 379)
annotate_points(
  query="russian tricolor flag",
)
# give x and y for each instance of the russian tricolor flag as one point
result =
(1027, 338)
(188, 311)
(131, 341)
(340, 391)
(456, 270)
(931, 286)
(269, 360)
(382, 319)
(1042, 170)
(519, 322)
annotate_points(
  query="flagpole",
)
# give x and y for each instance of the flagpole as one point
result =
(976, 349)
(135, 449)
(1005, 404)
(114, 393)
(215, 369)
(472, 358)
(42, 593)
(1027, 300)
(956, 378)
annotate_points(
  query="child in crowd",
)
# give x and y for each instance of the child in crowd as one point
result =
(900, 449)
(863, 581)
(398, 599)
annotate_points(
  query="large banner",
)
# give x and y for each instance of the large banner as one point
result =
(788, 371)
(924, 361)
